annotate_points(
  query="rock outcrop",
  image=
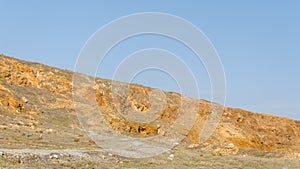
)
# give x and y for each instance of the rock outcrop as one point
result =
(37, 110)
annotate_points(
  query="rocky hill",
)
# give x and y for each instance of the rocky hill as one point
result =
(37, 111)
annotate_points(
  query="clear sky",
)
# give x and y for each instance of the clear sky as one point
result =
(258, 43)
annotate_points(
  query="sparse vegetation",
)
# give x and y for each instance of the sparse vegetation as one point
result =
(37, 112)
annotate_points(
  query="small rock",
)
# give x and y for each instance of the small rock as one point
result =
(240, 118)
(17, 158)
(20, 123)
(49, 131)
(41, 136)
(230, 146)
(54, 156)
(193, 146)
(92, 142)
(171, 157)
(175, 144)
(24, 99)
(29, 135)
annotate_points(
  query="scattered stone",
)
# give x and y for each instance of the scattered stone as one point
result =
(76, 139)
(119, 161)
(17, 158)
(29, 135)
(92, 142)
(49, 131)
(192, 146)
(20, 123)
(41, 136)
(24, 99)
(230, 146)
(175, 144)
(54, 156)
(4, 127)
(171, 157)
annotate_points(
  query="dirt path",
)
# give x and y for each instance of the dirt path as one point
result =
(44, 152)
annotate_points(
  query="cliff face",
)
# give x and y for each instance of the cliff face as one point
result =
(37, 111)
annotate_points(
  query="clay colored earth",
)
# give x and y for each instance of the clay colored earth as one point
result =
(38, 124)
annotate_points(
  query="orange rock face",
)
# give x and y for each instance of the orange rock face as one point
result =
(31, 89)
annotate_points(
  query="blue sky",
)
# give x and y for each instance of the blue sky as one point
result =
(257, 41)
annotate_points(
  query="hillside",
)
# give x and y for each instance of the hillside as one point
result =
(37, 112)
